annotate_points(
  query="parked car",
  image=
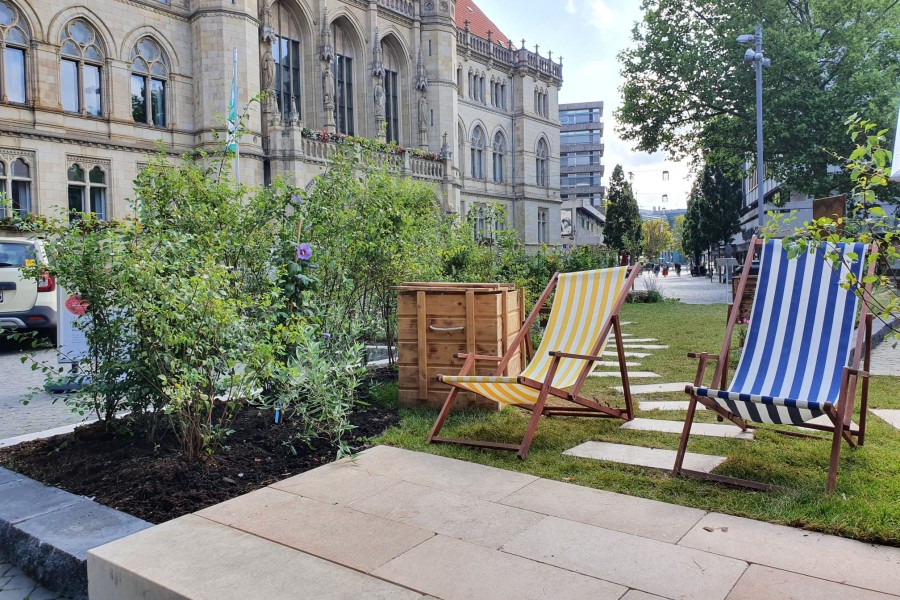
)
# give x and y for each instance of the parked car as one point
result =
(26, 303)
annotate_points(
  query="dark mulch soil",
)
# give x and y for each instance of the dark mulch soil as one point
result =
(154, 483)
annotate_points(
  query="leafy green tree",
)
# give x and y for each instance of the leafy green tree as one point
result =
(687, 90)
(656, 238)
(678, 235)
(713, 210)
(623, 219)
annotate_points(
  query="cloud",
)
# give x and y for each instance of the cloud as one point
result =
(570, 7)
(602, 16)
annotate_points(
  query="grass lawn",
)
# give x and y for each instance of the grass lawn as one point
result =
(865, 506)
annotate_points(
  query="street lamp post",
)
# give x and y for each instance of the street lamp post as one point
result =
(759, 62)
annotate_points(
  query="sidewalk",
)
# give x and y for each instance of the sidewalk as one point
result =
(408, 525)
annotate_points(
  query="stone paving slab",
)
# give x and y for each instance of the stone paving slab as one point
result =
(655, 388)
(615, 363)
(892, 417)
(638, 595)
(654, 458)
(448, 474)
(631, 374)
(192, 557)
(666, 405)
(455, 570)
(337, 484)
(705, 429)
(39, 435)
(333, 532)
(636, 340)
(630, 346)
(248, 505)
(637, 516)
(477, 521)
(24, 499)
(831, 558)
(627, 354)
(773, 584)
(649, 565)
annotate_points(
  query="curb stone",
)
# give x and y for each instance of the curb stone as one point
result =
(47, 532)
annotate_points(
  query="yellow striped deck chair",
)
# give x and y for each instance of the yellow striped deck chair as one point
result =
(585, 309)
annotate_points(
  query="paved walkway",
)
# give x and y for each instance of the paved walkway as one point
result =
(16, 381)
(690, 290)
(407, 525)
(14, 585)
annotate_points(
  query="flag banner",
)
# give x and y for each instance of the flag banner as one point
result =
(231, 139)
(895, 167)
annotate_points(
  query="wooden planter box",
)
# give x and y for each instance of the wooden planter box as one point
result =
(437, 320)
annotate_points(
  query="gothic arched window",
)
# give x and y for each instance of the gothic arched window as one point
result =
(478, 153)
(343, 80)
(15, 184)
(460, 148)
(149, 76)
(391, 93)
(87, 192)
(81, 68)
(286, 54)
(541, 155)
(14, 40)
(499, 155)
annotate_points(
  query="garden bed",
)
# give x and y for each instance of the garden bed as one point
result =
(127, 472)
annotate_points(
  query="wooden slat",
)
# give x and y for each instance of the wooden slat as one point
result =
(423, 343)
(470, 321)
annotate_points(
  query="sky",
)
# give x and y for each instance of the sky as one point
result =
(588, 34)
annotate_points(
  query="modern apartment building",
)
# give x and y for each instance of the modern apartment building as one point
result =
(581, 171)
(88, 89)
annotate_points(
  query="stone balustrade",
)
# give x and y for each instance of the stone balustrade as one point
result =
(318, 151)
(511, 56)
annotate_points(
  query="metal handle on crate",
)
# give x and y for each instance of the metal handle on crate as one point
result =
(433, 328)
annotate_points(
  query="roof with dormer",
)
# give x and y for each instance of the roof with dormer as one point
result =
(479, 23)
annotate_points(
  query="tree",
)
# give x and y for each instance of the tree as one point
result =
(688, 92)
(713, 214)
(678, 236)
(623, 220)
(657, 238)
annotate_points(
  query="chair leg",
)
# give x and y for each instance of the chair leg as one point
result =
(623, 369)
(685, 434)
(835, 456)
(442, 416)
(532, 426)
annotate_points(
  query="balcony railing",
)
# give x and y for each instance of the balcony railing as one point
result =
(404, 7)
(508, 55)
(405, 164)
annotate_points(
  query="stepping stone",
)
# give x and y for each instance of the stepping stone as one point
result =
(654, 458)
(638, 340)
(891, 416)
(627, 335)
(631, 374)
(627, 354)
(630, 346)
(666, 405)
(623, 323)
(611, 363)
(707, 429)
(655, 388)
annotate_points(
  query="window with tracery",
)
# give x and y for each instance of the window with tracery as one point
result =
(14, 39)
(149, 76)
(81, 68)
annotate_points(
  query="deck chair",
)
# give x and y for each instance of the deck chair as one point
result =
(585, 311)
(799, 360)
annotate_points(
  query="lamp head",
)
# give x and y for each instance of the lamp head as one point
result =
(747, 38)
(749, 55)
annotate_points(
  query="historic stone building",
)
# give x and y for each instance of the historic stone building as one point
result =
(88, 89)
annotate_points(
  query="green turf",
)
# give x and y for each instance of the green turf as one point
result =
(865, 506)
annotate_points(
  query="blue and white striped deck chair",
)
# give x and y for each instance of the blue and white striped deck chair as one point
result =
(799, 360)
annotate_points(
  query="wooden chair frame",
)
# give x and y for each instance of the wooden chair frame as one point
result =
(584, 406)
(840, 417)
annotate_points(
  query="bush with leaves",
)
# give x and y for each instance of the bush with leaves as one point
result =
(866, 221)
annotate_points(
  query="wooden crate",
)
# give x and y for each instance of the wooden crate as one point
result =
(437, 320)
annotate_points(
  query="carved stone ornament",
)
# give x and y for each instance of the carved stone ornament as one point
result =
(421, 77)
(377, 57)
(326, 52)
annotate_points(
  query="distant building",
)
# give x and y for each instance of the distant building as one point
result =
(89, 89)
(581, 171)
(775, 201)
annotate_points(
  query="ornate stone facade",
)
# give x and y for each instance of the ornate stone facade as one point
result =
(101, 83)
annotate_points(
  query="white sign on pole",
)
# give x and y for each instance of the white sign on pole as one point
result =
(72, 346)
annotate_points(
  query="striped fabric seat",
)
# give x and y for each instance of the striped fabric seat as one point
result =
(583, 303)
(799, 338)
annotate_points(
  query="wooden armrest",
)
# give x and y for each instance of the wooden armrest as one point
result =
(857, 372)
(465, 355)
(709, 357)
(575, 356)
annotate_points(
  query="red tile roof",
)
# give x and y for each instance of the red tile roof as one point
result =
(479, 23)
